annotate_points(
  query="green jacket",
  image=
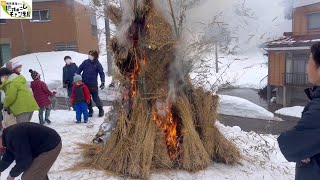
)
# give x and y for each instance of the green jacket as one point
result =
(18, 96)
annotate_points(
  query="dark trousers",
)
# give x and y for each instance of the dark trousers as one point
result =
(82, 108)
(41, 165)
(96, 99)
(46, 110)
(69, 89)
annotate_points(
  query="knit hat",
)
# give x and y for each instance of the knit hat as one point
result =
(16, 65)
(5, 71)
(9, 65)
(77, 78)
(34, 74)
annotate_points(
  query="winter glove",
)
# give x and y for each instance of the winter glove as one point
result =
(102, 86)
(54, 92)
(66, 84)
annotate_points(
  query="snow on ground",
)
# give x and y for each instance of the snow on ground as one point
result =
(52, 64)
(295, 111)
(262, 157)
(235, 106)
(243, 71)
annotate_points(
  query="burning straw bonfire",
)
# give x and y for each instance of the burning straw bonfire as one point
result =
(157, 127)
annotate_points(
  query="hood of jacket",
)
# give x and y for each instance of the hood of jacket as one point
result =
(14, 78)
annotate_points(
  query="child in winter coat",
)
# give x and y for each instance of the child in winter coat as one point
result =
(69, 70)
(41, 93)
(80, 97)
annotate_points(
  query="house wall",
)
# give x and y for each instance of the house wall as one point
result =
(86, 39)
(70, 23)
(300, 20)
(276, 68)
(36, 35)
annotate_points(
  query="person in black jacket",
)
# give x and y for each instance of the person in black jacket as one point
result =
(90, 69)
(33, 147)
(69, 70)
(302, 143)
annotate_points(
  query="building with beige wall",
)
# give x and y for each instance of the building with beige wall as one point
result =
(288, 55)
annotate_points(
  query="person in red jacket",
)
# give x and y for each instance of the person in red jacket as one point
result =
(41, 94)
(80, 97)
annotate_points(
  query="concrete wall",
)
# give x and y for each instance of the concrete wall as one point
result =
(295, 96)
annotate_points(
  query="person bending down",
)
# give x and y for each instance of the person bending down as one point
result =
(33, 147)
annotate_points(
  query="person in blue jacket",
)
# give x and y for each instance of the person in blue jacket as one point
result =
(90, 69)
(69, 70)
(302, 143)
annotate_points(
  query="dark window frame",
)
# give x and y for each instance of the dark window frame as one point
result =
(94, 25)
(66, 46)
(39, 12)
(316, 24)
(296, 74)
(5, 21)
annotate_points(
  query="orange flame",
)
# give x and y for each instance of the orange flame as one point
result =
(134, 74)
(169, 126)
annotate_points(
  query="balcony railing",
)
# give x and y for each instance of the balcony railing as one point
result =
(296, 79)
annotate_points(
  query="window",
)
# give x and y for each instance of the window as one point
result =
(66, 47)
(40, 15)
(296, 66)
(314, 21)
(3, 21)
(5, 52)
(94, 28)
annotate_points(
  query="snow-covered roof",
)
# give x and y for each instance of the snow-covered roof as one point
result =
(300, 3)
(294, 41)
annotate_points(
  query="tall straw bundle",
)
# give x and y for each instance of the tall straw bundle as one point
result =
(205, 110)
(194, 157)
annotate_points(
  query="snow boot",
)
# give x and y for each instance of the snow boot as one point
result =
(90, 112)
(47, 115)
(101, 112)
(78, 122)
(41, 121)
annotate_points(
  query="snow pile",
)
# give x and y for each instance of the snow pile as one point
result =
(237, 71)
(262, 157)
(52, 64)
(235, 106)
(295, 111)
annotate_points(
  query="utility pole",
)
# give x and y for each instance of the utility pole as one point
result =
(107, 32)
